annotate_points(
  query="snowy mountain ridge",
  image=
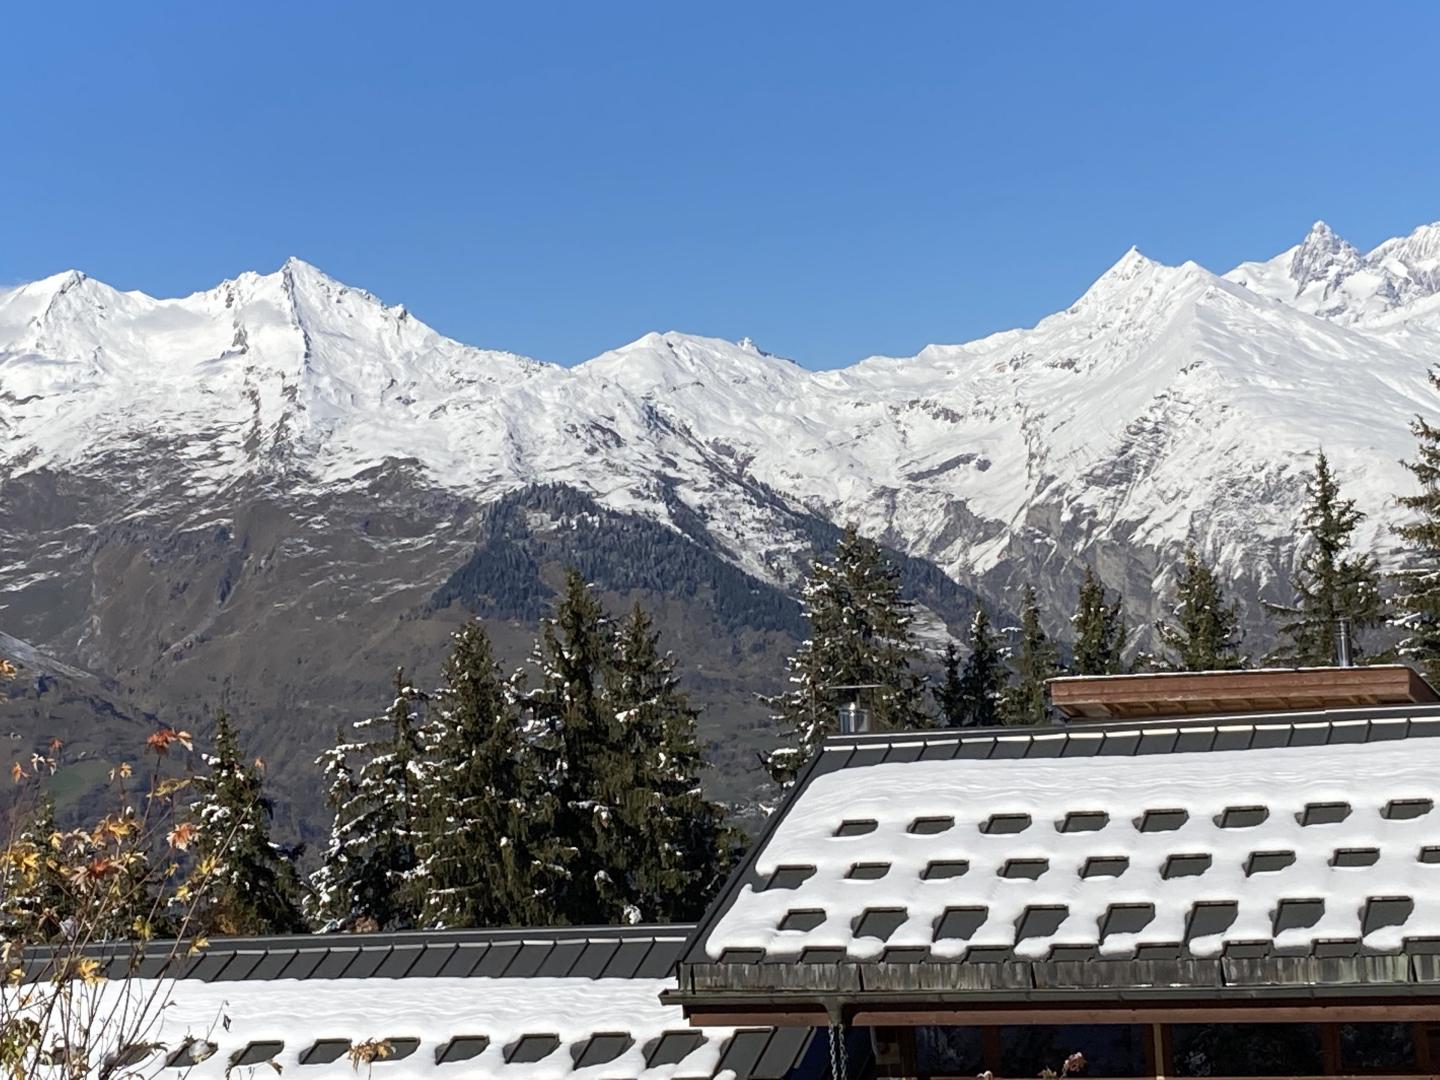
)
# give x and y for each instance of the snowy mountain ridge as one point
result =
(1166, 404)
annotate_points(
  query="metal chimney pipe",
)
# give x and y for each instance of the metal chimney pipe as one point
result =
(853, 719)
(1342, 643)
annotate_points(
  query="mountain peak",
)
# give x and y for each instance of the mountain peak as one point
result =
(1323, 257)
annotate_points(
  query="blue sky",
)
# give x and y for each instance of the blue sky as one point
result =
(832, 180)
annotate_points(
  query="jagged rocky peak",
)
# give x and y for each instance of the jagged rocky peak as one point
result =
(1323, 257)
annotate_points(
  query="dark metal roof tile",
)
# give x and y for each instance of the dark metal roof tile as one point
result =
(976, 748)
(401, 959)
(782, 1053)
(431, 961)
(742, 1053)
(530, 1048)
(367, 963)
(529, 959)
(672, 1048)
(256, 1053)
(879, 922)
(241, 965)
(401, 1047)
(1384, 911)
(333, 964)
(302, 963)
(660, 961)
(941, 869)
(595, 958)
(498, 957)
(601, 1048)
(461, 1048)
(463, 960)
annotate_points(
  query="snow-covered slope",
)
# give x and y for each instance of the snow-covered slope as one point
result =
(1166, 404)
(1326, 276)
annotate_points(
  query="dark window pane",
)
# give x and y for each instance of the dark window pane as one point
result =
(1108, 1049)
(1247, 1050)
(1376, 1047)
(948, 1051)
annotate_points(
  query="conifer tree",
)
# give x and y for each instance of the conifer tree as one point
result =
(1100, 632)
(1418, 599)
(486, 825)
(254, 888)
(984, 676)
(860, 635)
(337, 884)
(583, 754)
(1330, 582)
(1205, 634)
(1035, 662)
(370, 876)
(949, 702)
(685, 848)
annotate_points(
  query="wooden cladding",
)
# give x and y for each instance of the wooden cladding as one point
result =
(1217, 693)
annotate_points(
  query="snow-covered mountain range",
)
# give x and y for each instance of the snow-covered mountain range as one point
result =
(1166, 403)
(266, 494)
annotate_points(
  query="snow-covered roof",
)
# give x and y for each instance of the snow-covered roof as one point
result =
(1215, 854)
(528, 1005)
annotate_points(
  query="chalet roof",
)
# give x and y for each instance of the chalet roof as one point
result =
(521, 1004)
(1223, 856)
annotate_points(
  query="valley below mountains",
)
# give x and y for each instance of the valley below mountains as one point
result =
(265, 496)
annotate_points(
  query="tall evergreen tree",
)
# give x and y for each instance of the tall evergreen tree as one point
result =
(254, 888)
(1418, 599)
(1205, 634)
(484, 835)
(1035, 662)
(685, 848)
(1100, 632)
(984, 676)
(1330, 582)
(370, 876)
(336, 886)
(860, 635)
(949, 699)
(583, 749)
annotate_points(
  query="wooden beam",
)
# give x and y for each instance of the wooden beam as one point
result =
(991, 1049)
(1259, 1012)
(1159, 1059)
(1330, 1049)
(757, 1016)
(1219, 692)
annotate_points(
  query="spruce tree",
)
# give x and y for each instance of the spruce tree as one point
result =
(685, 848)
(984, 676)
(1418, 594)
(860, 635)
(949, 701)
(340, 880)
(1099, 629)
(253, 887)
(370, 876)
(485, 829)
(1035, 662)
(1205, 634)
(583, 750)
(1330, 582)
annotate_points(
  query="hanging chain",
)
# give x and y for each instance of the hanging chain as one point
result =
(839, 1058)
